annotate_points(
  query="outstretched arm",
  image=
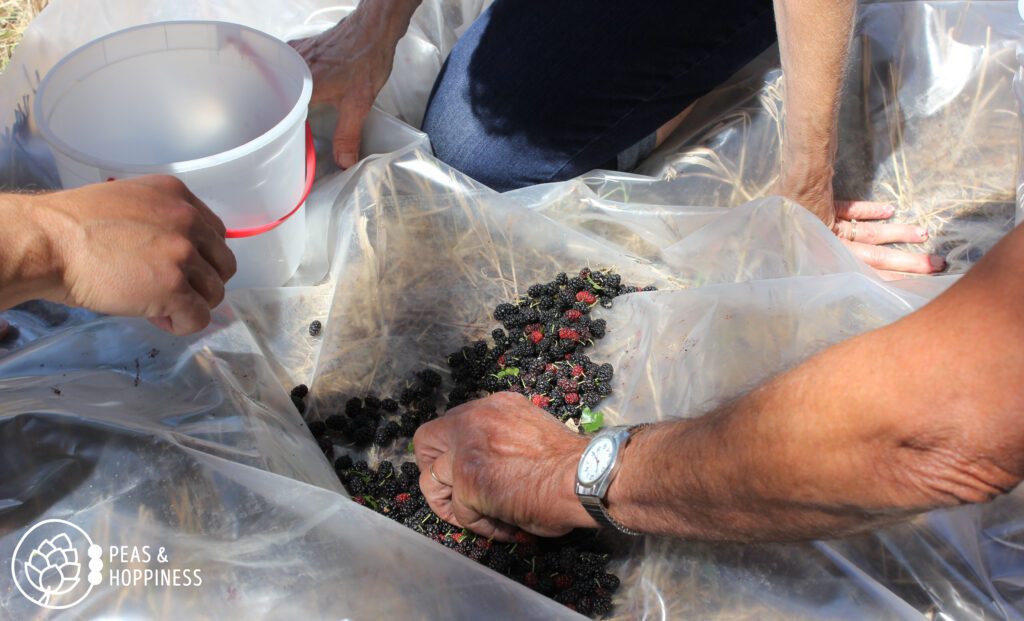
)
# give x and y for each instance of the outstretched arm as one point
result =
(921, 414)
(814, 42)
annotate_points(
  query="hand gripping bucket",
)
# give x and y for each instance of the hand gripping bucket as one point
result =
(218, 105)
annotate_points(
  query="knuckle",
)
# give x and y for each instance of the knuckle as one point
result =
(180, 216)
(507, 399)
(171, 183)
(179, 250)
(176, 281)
(177, 185)
(877, 255)
(477, 418)
(346, 141)
(218, 224)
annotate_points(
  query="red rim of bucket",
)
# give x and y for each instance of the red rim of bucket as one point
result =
(310, 174)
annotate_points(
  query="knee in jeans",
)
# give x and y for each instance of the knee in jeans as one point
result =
(490, 160)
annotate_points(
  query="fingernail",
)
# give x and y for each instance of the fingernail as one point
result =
(922, 233)
(888, 210)
(938, 263)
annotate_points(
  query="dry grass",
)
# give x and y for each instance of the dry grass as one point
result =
(15, 16)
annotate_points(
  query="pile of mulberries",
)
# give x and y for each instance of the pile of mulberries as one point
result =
(369, 420)
(570, 569)
(539, 349)
(537, 352)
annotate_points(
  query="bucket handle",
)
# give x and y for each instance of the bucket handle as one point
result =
(310, 175)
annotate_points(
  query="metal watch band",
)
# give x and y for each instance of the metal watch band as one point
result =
(595, 507)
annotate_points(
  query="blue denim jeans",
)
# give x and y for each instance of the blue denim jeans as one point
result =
(544, 90)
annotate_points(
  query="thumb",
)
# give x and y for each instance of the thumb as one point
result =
(348, 133)
(164, 323)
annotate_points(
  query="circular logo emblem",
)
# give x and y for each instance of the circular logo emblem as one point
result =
(48, 564)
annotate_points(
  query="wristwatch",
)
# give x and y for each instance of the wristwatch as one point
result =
(597, 468)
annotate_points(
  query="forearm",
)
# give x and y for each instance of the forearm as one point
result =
(814, 40)
(922, 414)
(788, 461)
(28, 266)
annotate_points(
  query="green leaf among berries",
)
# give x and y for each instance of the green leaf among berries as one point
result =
(591, 420)
(506, 372)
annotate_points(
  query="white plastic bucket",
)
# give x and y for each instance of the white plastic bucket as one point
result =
(218, 105)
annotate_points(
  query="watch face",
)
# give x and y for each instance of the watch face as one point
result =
(596, 461)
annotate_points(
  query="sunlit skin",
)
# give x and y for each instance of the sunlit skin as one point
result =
(921, 414)
(143, 247)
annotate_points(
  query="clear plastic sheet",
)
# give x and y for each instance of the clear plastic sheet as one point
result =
(141, 438)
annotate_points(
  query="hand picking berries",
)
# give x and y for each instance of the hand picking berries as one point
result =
(538, 352)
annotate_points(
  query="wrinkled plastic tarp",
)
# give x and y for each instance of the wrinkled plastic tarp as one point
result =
(141, 438)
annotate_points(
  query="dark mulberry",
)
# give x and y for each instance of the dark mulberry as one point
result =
(343, 463)
(386, 434)
(504, 312)
(411, 469)
(362, 435)
(608, 582)
(336, 422)
(430, 378)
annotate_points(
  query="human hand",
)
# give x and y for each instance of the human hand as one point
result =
(350, 64)
(501, 463)
(139, 247)
(857, 224)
